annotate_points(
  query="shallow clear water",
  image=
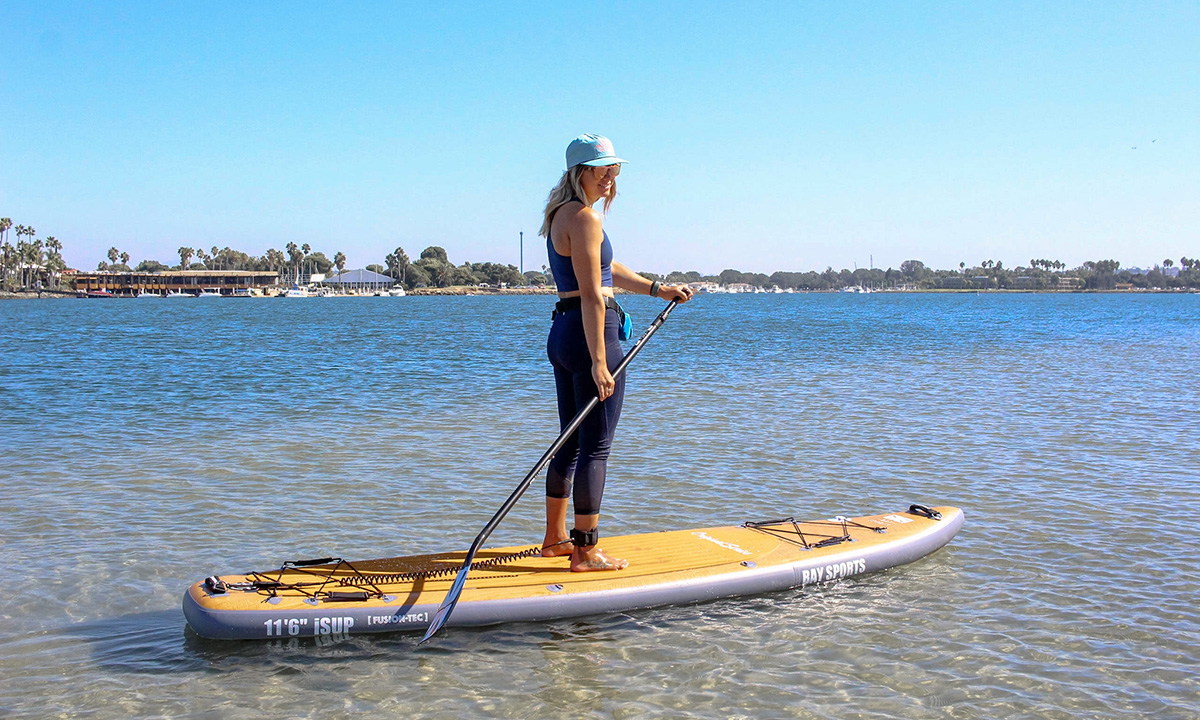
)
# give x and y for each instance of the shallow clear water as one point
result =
(146, 444)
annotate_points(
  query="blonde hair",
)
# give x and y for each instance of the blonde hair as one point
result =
(570, 188)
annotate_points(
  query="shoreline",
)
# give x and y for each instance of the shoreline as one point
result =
(474, 290)
(465, 290)
(46, 294)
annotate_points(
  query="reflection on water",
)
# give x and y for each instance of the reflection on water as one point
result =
(146, 447)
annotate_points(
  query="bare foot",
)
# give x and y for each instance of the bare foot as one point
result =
(554, 547)
(593, 559)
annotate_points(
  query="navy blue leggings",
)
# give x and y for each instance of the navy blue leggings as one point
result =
(583, 461)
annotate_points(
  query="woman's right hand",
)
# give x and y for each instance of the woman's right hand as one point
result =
(605, 383)
(678, 293)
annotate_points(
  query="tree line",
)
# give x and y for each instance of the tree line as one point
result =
(299, 263)
(434, 269)
(1039, 274)
(31, 264)
(295, 264)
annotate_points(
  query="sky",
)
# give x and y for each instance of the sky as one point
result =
(761, 136)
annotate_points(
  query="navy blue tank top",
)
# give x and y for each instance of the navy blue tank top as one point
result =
(564, 271)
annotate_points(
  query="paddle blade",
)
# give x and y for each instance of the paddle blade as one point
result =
(448, 603)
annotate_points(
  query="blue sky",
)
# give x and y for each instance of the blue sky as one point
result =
(762, 137)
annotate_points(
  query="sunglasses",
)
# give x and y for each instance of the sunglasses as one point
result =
(602, 170)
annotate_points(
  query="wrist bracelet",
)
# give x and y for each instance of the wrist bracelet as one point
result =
(654, 288)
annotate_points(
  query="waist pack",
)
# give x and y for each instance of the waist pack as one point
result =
(624, 320)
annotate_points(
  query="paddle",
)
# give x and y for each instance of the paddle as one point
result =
(447, 606)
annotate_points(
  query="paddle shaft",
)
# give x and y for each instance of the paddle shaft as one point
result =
(460, 580)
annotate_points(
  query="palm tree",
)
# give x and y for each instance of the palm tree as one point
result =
(295, 256)
(18, 251)
(275, 259)
(25, 255)
(19, 258)
(22, 252)
(441, 274)
(6, 258)
(5, 224)
(33, 238)
(307, 251)
(185, 257)
(398, 262)
(54, 263)
(113, 254)
(125, 259)
(5, 252)
(12, 254)
(35, 261)
(340, 260)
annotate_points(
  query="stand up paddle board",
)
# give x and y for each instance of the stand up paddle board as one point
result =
(326, 596)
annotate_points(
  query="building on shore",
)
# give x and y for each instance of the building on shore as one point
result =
(359, 280)
(167, 281)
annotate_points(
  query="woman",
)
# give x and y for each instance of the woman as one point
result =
(584, 346)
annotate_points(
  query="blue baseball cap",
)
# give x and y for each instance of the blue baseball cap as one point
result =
(592, 150)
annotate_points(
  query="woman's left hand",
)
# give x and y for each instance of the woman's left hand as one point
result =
(679, 293)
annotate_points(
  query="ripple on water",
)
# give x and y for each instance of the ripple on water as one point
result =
(146, 447)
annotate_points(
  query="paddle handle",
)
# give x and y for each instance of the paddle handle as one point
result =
(460, 580)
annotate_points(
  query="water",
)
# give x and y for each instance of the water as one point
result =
(146, 444)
